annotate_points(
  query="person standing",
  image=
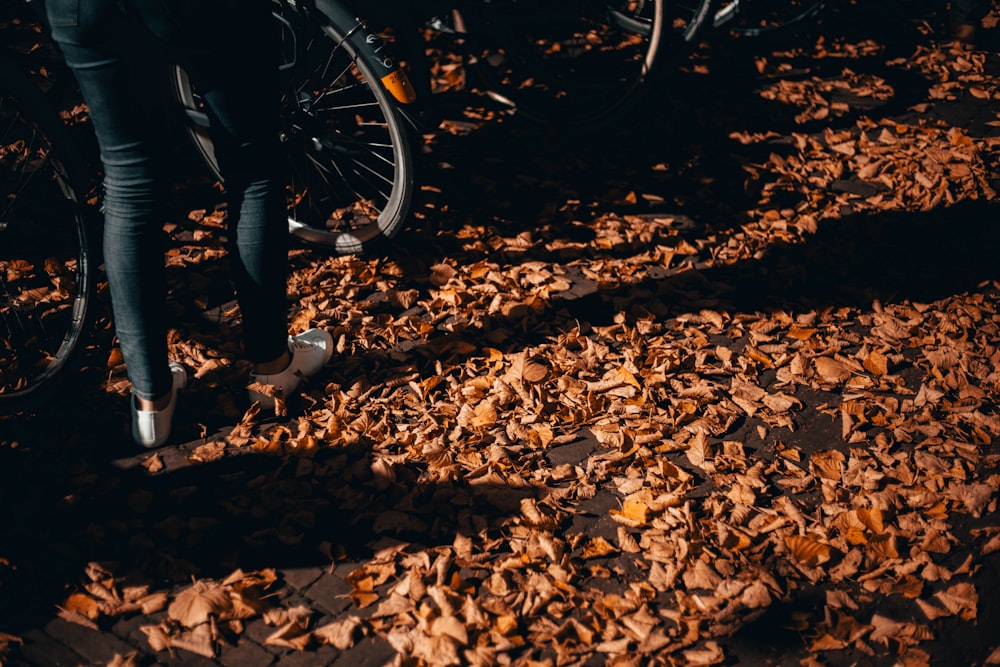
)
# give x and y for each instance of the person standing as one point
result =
(229, 49)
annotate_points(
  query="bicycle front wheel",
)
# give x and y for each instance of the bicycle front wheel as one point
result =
(575, 63)
(45, 272)
(348, 150)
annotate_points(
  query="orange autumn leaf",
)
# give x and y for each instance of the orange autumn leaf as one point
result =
(83, 604)
(484, 415)
(831, 370)
(808, 551)
(633, 513)
(598, 547)
(828, 464)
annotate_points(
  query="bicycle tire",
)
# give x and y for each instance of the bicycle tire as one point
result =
(46, 272)
(347, 146)
(576, 63)
(756, 18)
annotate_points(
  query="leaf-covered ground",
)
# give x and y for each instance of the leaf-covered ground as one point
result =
(716, 385)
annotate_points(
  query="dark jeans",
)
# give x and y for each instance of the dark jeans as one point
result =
(116, 49)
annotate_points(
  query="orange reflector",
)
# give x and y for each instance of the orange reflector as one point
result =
(399, 85)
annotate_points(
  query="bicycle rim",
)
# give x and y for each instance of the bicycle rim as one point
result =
(45, 273)
(351, 164)
(574, 63)
(348, 157)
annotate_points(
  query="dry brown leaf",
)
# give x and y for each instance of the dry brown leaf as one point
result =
(522, 368)
(626, 542)
(83, 604)
(157, 636)
(826, 642)
(200, 640)
(598, 547)
(634, 513)
(127, 660)
(340, 634)
(831, 370)
(77, 617)
(484, 415)
(451, 627)
(294, 635)
(201, 601)
(153, 463)
(876, 363)
(210, 451)
(961, 600)
(828, 464)
(882, 546)
(808, 551)
(710, 654)
(441, 274)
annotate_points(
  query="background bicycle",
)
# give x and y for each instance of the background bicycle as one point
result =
(46, 268)
(572, 66)
(569, 65)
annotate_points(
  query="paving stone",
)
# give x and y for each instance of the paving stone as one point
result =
(246, 653)
(314, 657)
(257, 631)
(127, 628)
(368, 651)
(594, 518)
(331, 593)
(300, 577)
(94, 645)
(42, 650)
(575, 452)
(182, 658)
(130, 630)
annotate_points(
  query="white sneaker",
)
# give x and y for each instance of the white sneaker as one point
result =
(310, 351)
(151, 428)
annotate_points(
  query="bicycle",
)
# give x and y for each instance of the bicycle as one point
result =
(577, 65)
(46, 267)
(580, 65)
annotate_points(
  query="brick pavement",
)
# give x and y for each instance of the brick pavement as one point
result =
(324, 589)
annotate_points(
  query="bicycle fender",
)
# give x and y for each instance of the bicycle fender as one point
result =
(392, 76)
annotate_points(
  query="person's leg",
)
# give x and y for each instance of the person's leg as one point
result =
(241, 90)
(133, 188)
(238, 79)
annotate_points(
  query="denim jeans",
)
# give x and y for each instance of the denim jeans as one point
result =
(116, 49)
